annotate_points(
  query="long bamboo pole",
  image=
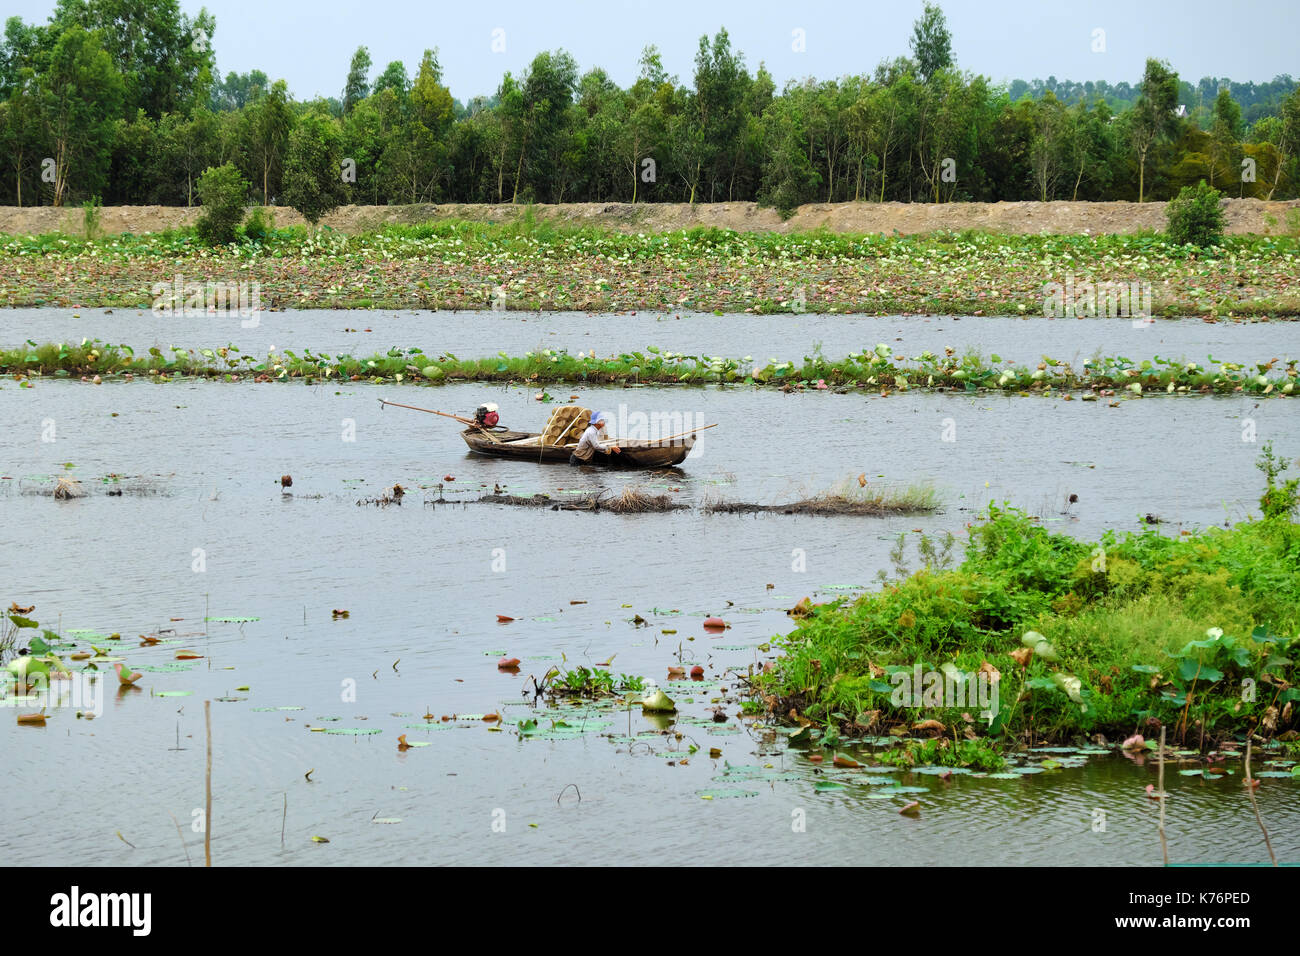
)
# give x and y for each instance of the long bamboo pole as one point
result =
(660, 441)
(431, 411)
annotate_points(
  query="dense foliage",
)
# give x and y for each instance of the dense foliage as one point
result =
(121, 98)
(221, 190)
(1195, 216)
(1195, 631)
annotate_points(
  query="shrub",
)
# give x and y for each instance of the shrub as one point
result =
(1195, 217)
(1281, 499)
(258, 226)
(90, 216)
(222, 191)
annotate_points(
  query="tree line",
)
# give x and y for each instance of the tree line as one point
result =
(119, 101)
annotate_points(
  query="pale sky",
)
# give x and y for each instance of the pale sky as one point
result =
(310, 44)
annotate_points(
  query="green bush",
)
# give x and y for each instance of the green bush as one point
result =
(1195, 217)
(258, 226)
(1136, 625)
(1281, 499)
(222, 191)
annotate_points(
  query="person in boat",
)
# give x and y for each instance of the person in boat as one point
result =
(591, 449)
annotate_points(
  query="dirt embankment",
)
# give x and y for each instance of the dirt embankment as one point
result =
(1243, 216)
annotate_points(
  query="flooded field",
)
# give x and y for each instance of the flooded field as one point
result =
(308, 705)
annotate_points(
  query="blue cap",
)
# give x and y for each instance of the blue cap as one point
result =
(597, 417)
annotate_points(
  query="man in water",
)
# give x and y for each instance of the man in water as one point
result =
(589, 445)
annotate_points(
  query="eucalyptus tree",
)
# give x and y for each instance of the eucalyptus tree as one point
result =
(20, 129)
(267, 121)
(78, 93)
(931, 43)
(19, 49)
(717, 109)
(393, 78)
(600, 122)
(1049, 150)
(789, 178)
(188, 145)
(643, 135)
(137, 164)
(946, 134)
(1152, 116)
(535, 111)
(1091, 148)
(312, 181)
(158, 51)
(237, 90)
(357, 85)
(1284, 134)
(1225, 137)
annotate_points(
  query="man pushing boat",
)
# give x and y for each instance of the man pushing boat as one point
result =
(590, 446)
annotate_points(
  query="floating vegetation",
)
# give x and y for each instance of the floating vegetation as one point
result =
(725, 794)
(875, 369)
(353, 731)
(847, 499)
(1163, 633)
(630, 500)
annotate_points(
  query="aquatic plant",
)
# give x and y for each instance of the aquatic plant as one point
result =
(549, 266)
(983, 754)
(872, 369)
(1196, 632)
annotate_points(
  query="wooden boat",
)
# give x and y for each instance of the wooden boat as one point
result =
(527, 446)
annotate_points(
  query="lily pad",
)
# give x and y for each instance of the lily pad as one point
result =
(724, 794)
(940, 771)
(353, 731)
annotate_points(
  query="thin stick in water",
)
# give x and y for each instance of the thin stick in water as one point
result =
(207, 789)
(1164, 845)
(188, 861)
(1250, 789)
